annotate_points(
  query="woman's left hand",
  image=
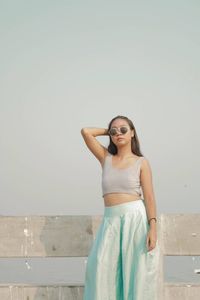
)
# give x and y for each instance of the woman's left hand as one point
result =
(151, 239)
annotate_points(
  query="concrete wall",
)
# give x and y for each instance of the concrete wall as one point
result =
(54, 236)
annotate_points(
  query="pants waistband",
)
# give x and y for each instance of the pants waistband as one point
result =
(119, 209)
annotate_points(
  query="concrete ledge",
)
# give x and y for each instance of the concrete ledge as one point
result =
(181, 291)
(24, 292)
(178, 291)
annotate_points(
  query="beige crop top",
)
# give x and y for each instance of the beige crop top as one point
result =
(115, 180)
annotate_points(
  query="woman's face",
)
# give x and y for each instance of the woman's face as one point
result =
(120, 138)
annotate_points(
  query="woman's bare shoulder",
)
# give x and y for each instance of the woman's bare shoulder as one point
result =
(145, 164)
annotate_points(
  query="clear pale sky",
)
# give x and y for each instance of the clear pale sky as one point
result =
(72, 64)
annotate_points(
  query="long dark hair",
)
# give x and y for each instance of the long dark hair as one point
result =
(135, 145)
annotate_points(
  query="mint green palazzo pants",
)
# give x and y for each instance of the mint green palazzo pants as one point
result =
(119, 266)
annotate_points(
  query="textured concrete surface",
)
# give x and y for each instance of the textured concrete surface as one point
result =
(54, 236)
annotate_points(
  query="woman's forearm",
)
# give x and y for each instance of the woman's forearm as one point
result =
(95, 131)
(151, 210)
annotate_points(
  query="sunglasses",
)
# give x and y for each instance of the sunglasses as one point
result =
(122, 129)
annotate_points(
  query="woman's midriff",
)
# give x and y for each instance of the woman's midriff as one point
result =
(118, 198)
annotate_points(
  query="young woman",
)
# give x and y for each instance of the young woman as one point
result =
(123, 260)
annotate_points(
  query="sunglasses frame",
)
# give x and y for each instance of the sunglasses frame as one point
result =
(118, 129)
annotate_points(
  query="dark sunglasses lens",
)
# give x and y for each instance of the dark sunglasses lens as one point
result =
(113, 131)
(123, 130)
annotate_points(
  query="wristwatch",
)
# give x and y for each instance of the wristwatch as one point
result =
(152, 219)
